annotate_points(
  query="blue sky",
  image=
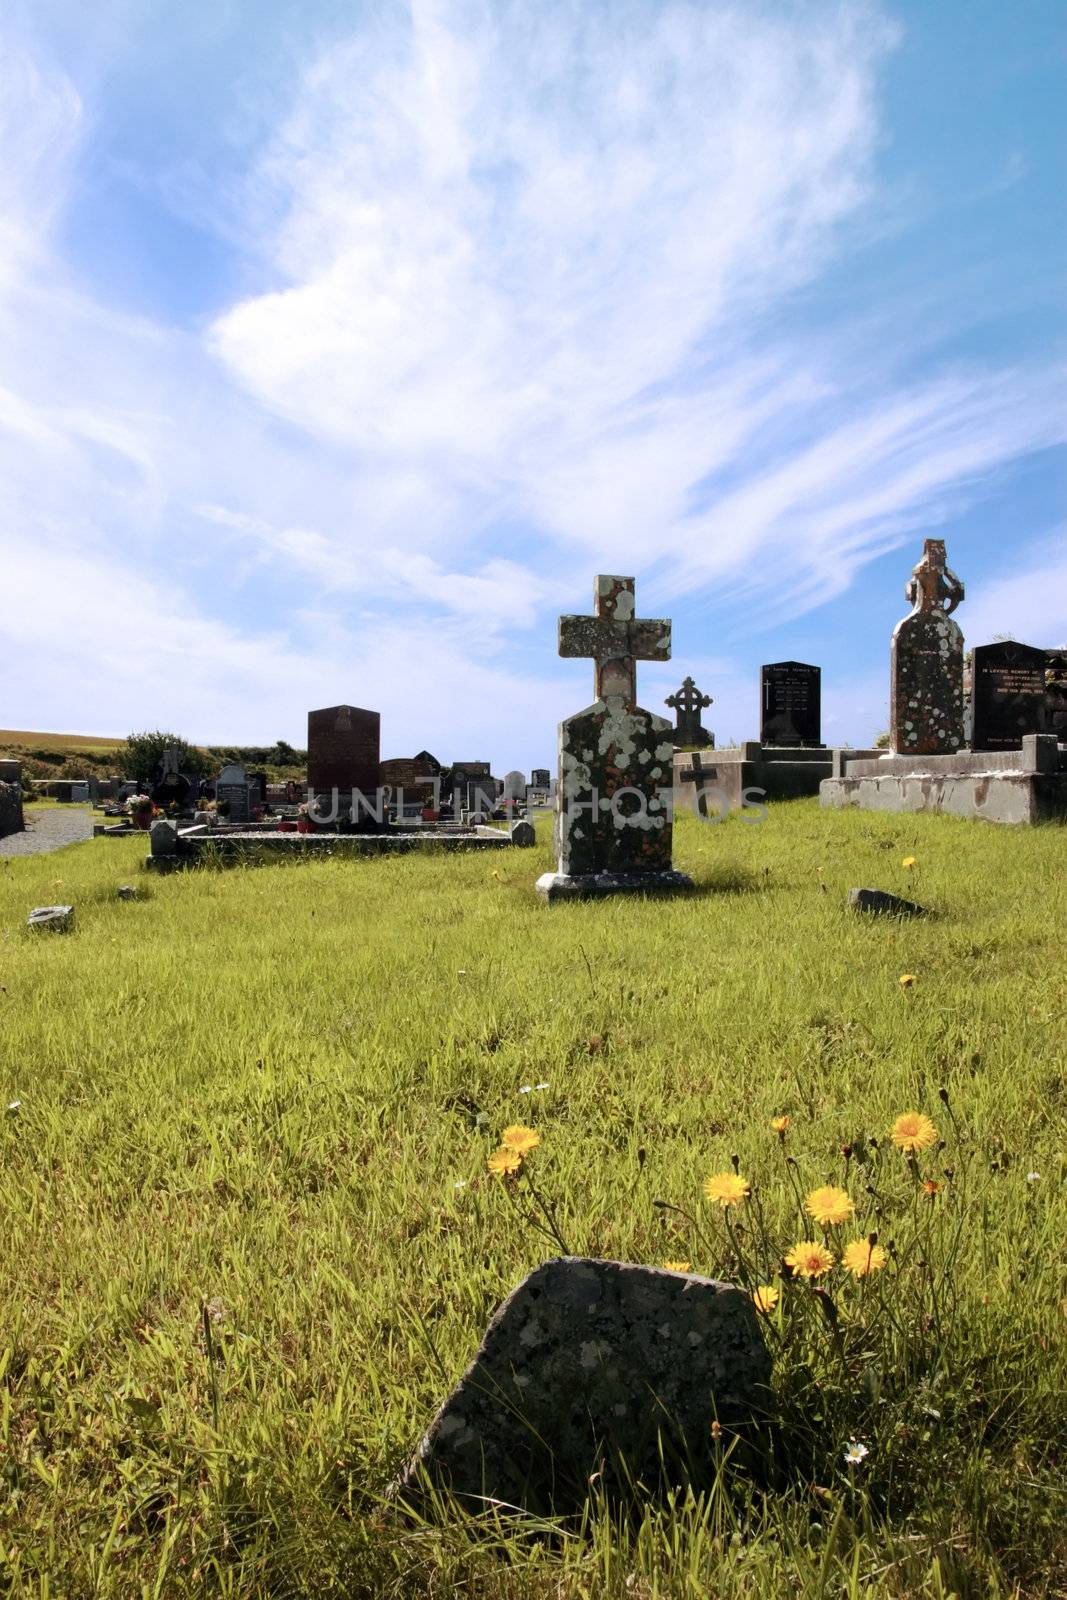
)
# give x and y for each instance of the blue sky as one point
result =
(342, 345)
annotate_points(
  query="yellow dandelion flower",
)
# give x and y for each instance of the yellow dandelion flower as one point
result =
(727, 1188)
(676, 1266)
(809, 1260)
(862, 1258)
(908, 861)
(765, 1298)
(520, 1138)
(829, 1205)
(505, 1162)
(906, 980)
(780, 1124)
(913, 1132)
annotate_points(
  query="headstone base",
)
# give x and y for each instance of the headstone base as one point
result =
(594, 885)
(1009, 786)
(774, 772)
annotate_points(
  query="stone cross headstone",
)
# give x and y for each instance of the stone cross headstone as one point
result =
(231, 788)
(1007, 694)
(790, 705)
(687, 703)
(613, 800)
(344, 754)
(701, 777)
(926, 662)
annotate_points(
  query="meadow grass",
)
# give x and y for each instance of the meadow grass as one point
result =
(250, 1238)
(21, 739)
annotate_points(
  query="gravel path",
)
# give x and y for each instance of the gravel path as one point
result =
(49, 828)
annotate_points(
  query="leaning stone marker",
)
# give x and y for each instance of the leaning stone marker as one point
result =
(881, 903)
(613, 798)
(523, 834)
(51, 919)
(594, 1366)
(926, 668)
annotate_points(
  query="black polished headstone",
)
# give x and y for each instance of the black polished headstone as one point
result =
(790, 704)
(1007, 694)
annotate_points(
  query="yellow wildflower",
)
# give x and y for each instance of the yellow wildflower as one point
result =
(765, 1298)
(676, 1266)
(809, 1260)
(727, 1188)
(906, 980)
(520, 1138)
(908, 861)
(862, 1258)
(780, 1124)
(913, 1131)
(829, 1205)
(505, 1162)
(932, 1187)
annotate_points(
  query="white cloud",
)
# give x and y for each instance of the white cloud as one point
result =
(526, 307)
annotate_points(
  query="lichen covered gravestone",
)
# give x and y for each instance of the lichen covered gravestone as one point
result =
(613, 797)
(595, 1367)
(926, 689)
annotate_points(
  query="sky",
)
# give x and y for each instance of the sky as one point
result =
(343, 344)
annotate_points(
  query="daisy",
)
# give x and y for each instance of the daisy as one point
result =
(855, 1453)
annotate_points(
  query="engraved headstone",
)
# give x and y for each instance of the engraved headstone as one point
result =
(344, 755)
(1007, 694)
(687, 703)
(926, 662)
(791, 704)
(541, 779)
(514, 786)
(232, 792)
(613, 800)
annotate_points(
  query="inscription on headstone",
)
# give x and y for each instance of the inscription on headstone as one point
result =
(540, 779)
(790, 704)
(1007, 694)
(231, 789)
(687, 703)
(926, 662)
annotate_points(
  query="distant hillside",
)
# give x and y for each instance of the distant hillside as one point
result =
(75, 755)
(12, 738)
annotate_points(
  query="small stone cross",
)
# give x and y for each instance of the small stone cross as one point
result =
(615, 639)
(699, 774)
(688, 698)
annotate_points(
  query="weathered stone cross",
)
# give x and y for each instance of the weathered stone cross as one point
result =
(700, 775)
(688, 698)
(615, 639)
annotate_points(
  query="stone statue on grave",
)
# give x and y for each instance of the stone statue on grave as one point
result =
(926, 662)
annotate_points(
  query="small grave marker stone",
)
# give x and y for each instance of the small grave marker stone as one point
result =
(231, 789)
(595, 1368)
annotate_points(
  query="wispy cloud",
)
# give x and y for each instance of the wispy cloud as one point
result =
(528, 290)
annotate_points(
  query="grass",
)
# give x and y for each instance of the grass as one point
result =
(240, 1269)
(19, 739)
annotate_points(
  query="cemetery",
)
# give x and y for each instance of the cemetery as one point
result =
(326, 1221)
(533, 997)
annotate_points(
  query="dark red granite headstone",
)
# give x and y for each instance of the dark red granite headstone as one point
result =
(344, 744)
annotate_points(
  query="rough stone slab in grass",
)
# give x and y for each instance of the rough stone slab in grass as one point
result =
(880, 903)
(51, 919)
(594, 1367)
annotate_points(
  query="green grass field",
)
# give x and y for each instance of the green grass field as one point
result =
(250, 1238)
(16, 739)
